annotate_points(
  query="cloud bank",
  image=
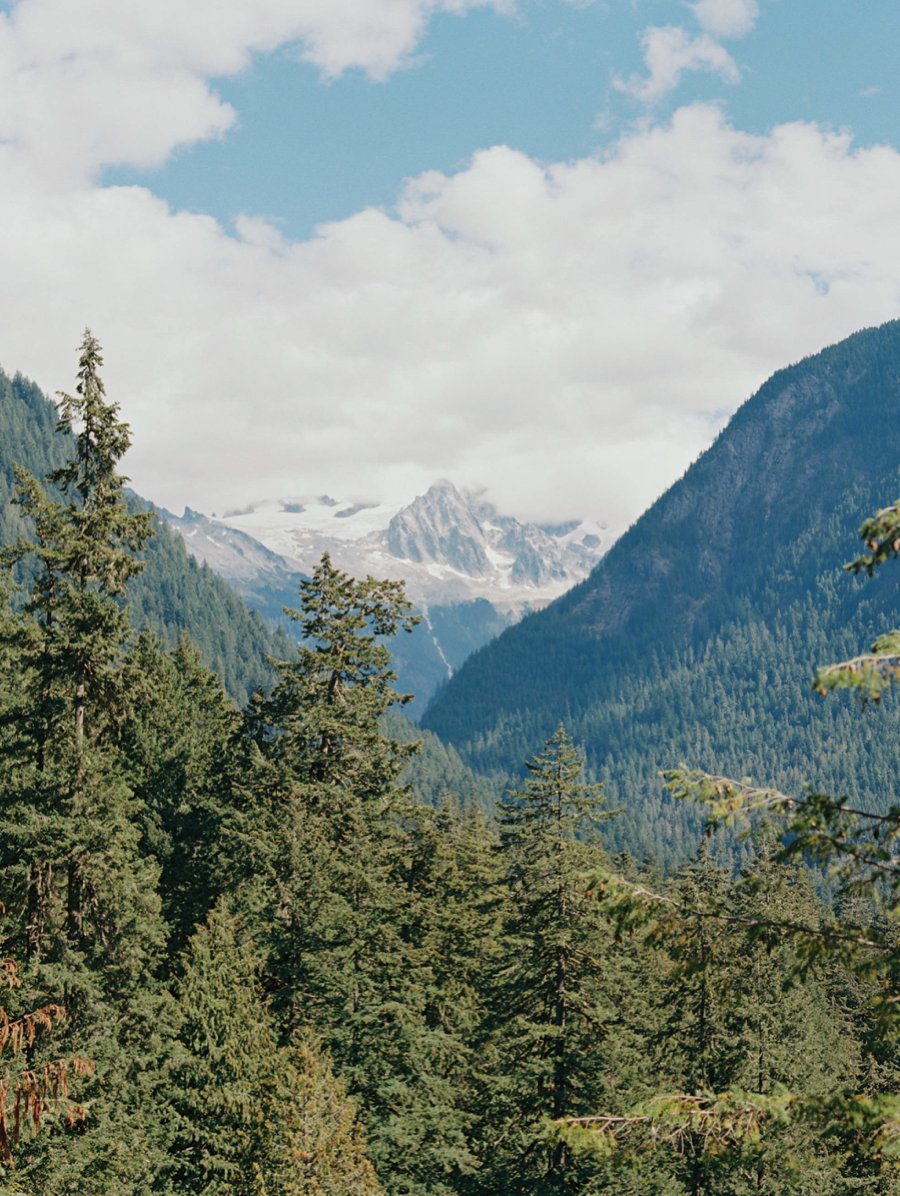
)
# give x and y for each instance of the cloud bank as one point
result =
(100, 82)
(725, 18)
(569, 334)
(669, 53)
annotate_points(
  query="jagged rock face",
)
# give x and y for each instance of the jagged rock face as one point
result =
(446, 527)
(440, 527)
(534, 565)
(232, 554)
(470, 570)
(539, 559)
(447, 545)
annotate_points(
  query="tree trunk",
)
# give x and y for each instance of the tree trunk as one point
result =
(79, 710)
(39, 877)
(559, 1158)
(75, 904)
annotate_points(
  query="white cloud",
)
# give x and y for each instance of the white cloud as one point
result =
(88, 84)
(669, 52)
(725, 18)
(560, 333)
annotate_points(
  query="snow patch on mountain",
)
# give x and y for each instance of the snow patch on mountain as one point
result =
(447, 545)
(469, 570)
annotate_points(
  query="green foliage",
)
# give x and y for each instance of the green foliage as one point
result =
(323, 1152)
(348, 909)
(173, 593)
(436, 772)
(788, 1092)
(881, 534)
(695, 636)
(83, 892)
(177, 734)
(253, 1117)
(224, 1087)
(328, 701)
(175, 596)
(548, 1003)
(306, 958)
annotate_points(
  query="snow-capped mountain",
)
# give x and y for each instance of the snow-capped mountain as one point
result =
(448, 545)
(470, 570)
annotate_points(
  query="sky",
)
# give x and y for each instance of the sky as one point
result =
(540, 247)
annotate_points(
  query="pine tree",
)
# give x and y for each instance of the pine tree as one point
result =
(794, 1120)
(742, 1019)
(72, 857)
(329, 700)
(549, 1002)
(224, 1087)
(345, 908)
(451, 876)
(31, 1095)
(251, 1117)
(84, 551)
(178, 736)
(323, 1150)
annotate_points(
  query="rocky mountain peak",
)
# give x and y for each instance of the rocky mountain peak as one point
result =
(447, 528)
(441, 528)
(448, 544)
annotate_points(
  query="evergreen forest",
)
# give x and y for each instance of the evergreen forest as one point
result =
(260, 936)
(696, 637)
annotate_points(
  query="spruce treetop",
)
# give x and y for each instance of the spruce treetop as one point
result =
(330, 698)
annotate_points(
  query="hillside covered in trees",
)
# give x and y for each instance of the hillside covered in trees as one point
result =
(697, 637)
(173, 593)
(242, 958)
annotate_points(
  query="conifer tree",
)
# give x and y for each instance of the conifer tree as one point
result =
(31, 1094)
(709, 967)
(741, 1019)
(322, 1146)
(178, 736)
(452, 877)
(345, 902)
(796, 1106)
(329, 700)
(224, 1099)
(549, 1002)
(252, 1117)
(72, 856)
(84, 551)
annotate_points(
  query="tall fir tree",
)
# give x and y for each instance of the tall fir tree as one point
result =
(178, 736)
(253, 1118)
(223, 1099)
(344, 899)
(549, 1002)
(322, 1144)
(72, 858)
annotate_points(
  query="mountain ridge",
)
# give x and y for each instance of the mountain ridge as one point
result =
(721, 600)
(447, 544)
(174, 593)
(470, 571)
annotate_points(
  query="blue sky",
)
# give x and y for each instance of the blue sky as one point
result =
(537, 246)
(306, 150)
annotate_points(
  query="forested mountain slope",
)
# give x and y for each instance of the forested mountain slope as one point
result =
(696, 637)
(174, 593)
